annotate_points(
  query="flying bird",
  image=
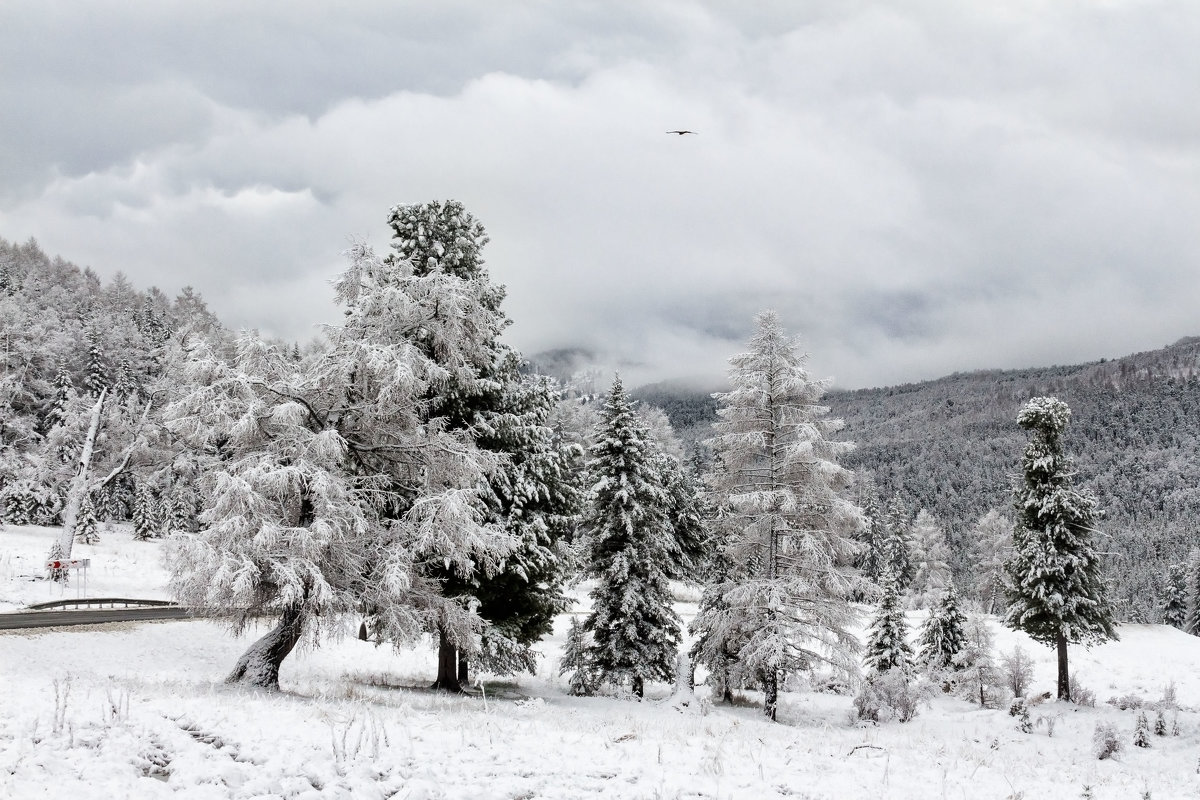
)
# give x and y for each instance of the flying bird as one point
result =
(681, 133)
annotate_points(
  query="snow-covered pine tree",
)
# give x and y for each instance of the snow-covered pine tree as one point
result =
(944, 634)
(887, 638)
(1192, 580)
(86, 527)
(1175, 597)
(535, 493)
(1056, 592)
(930, 557)
(96, 379)
(146, 513)
(873, 558)
(785, 524)
(898, 544)
(56, 413)
(331, 492)
(631, 552)
(575, 661)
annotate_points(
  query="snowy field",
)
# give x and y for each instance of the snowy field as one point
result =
(139, 711)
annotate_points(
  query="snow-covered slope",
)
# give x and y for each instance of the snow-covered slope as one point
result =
(139, 711)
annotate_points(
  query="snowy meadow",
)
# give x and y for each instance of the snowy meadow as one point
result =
(141, 710)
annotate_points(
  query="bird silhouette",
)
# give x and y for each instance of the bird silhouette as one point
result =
(681, 133)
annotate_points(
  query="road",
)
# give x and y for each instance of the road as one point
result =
(56, 619)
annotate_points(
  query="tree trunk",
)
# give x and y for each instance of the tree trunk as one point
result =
(1064, 676)
(447, 677)
(771, 695)
(639, 686)
(61, 551)
(259, 665)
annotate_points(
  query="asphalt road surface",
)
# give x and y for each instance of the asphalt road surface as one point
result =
(56, 619)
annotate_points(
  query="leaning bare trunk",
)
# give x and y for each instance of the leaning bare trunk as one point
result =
(259, 665)
(1064, 676)
(447, 677)
(61, 550)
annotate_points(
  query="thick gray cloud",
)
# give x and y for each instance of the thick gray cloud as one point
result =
(917, 187)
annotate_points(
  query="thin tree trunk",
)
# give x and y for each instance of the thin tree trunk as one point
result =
(771, 695)
(447, 677)
(259, 665)
(1064, 676)
(61, 550)
(464, 669)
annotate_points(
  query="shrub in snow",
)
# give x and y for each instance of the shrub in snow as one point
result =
(1141, 731)
(1160, 724)
(1127, 702)
(1017, 669)
(891, 696)
(1081, 695)
(1106, 742)
(1170, 697)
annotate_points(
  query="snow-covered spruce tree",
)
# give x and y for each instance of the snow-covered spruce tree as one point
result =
(887, 638)
(930, 557)
(1174, 597)
(86, 526)
(1056, 591)
(898, 544)
(534, 490)
(977, 663)
(631, 552)
(944, 634)
(329, 489)
(146, 513)
(1192, 580)
(575, 661)
(97, 378)
(873, 557)
(784, 522)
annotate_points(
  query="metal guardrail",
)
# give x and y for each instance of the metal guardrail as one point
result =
(99, 602)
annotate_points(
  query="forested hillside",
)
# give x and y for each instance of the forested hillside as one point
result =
(952, 446)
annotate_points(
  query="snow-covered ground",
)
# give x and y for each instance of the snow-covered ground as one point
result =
(139, 711)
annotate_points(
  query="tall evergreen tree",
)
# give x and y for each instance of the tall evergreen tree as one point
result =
(533, 489)
(146, 513)
(1175, 598)
(887, 638)
(632, 553)
(944, 634)
(330, 491)
(872, 559)
(1057, 593)
(898, 545)
(784, 520)
(1192, 625)
(97, 377)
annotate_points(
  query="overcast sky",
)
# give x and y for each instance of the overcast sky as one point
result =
(917, 187)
